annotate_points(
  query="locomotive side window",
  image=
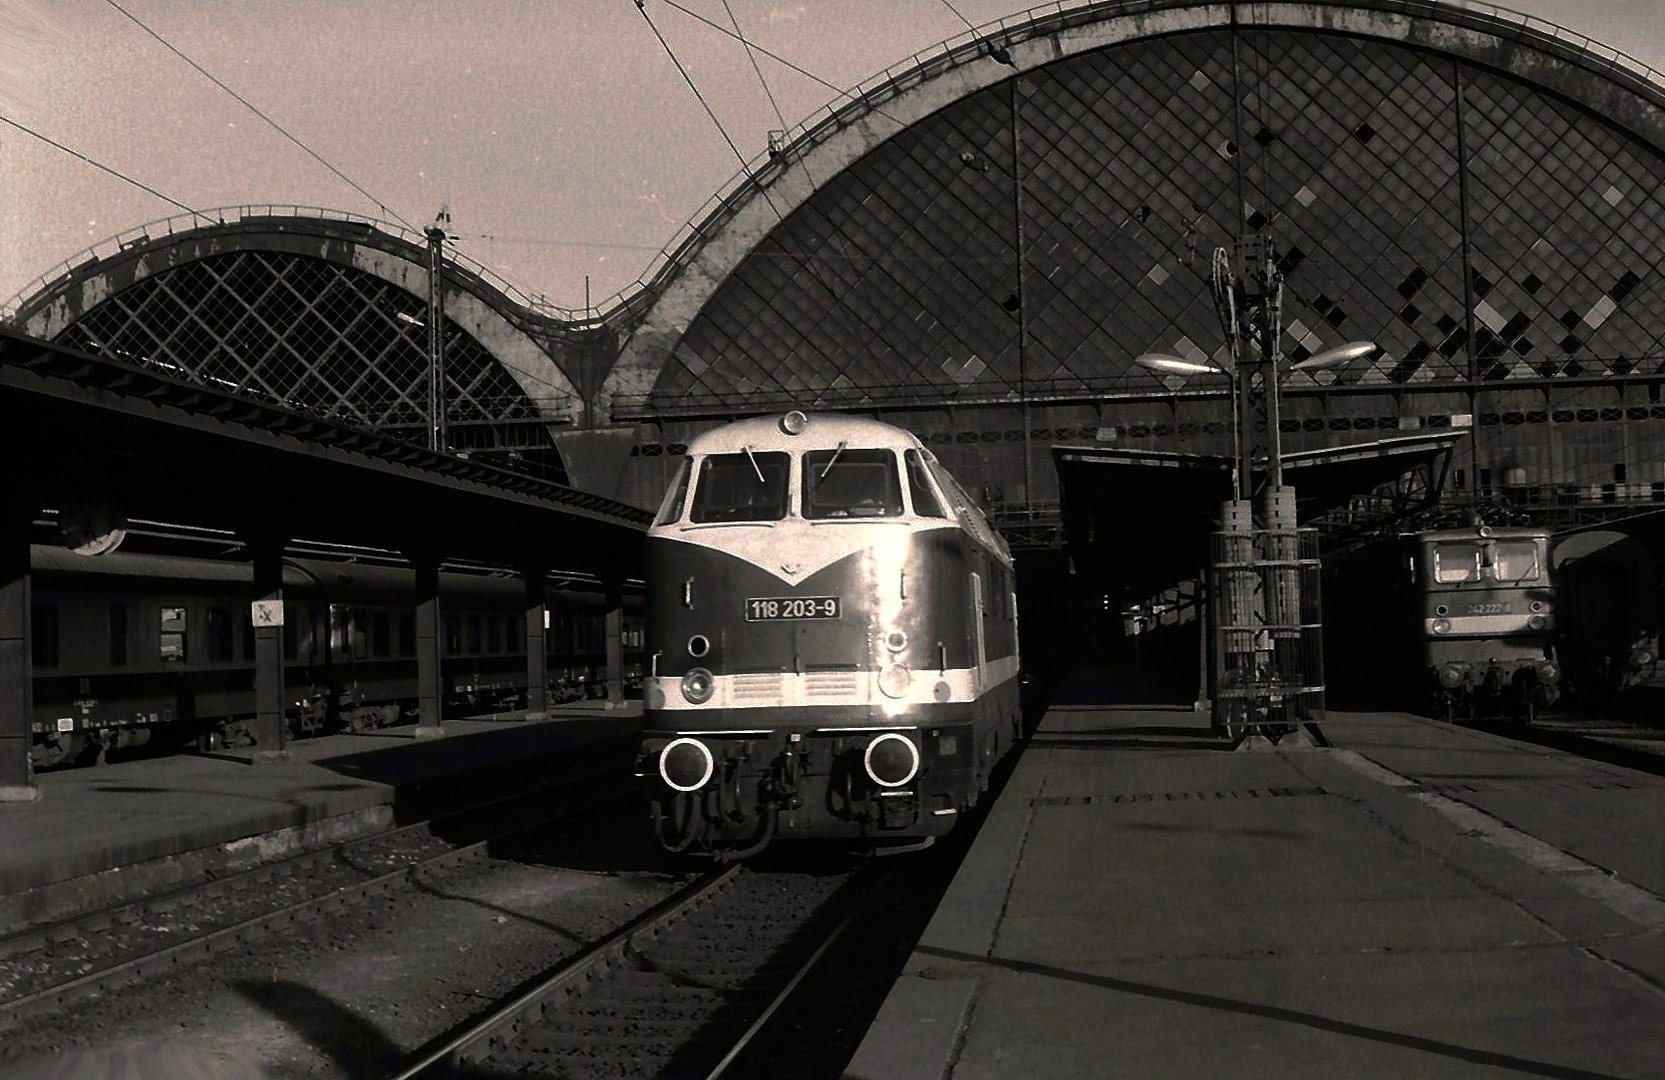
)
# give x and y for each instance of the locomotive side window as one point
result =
(219, 635)
(474, 640)
(118, 635)
(453, 635)
(671, 509)
(494, 634)
(407, 633)
(172, 647)
(925, 502)
(43, 635)
(851, 483)
(741, 487)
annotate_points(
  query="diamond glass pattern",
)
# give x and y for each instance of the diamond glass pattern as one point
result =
(312, 334)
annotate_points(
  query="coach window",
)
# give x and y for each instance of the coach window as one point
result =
(925, 502)
(407, 634)
(43, 635)
(381, 627)
(290, 632)
(474, 641)
(358, 632)
(453, 636)
(517, 635)
(741, 487)
(671, 509)
(846, 483)
(172, 649)
(494, 634)
(219, 635)
(118, 635)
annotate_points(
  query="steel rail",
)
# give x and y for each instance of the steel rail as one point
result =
(490, 1032)
(137, 967)
(765, 1018)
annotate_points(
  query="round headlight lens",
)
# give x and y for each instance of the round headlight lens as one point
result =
(891, 760)
(1442, 626)
(697, 686)
(896, 641)
(698, 646)
(1536, 622)
(894, 680)
(686, 764)
(794, 422)
(1451, 677)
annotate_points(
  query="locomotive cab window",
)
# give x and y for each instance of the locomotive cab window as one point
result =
(845, 483)
(671, 509)
(925, 501)
(172, 647)
(748, 486)
(1510, 560)
(219, 635)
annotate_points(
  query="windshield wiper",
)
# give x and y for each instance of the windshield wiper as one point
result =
(756, 468)
(832, 461)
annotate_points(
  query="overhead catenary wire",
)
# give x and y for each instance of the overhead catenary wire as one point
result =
(100, 165)
(355, 185)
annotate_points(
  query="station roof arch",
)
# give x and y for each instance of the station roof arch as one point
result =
(968, 228)
(319, 311)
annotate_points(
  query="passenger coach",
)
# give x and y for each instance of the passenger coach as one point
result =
(832, 634)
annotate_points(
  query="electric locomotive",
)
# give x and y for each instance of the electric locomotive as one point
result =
(1487, 609)
(832, 640)
(1471, 609)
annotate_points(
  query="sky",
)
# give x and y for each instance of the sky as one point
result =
(560, 135)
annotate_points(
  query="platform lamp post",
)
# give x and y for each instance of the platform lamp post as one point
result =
(1261, 662)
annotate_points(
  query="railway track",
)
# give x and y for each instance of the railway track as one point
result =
(682, 990)
(51, 966)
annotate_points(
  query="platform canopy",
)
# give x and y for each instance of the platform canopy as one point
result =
(1139, 520)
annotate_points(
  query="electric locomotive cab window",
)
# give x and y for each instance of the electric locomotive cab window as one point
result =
(846, 483)
(1501, 560)
(748, 486)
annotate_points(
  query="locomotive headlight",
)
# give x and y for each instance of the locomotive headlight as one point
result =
(891, 760)
(894, 680)
(896, 641)
(698, 646)
(686, 764)
(1442, 626)
(1451, 676)
(794, 422)
(1640, 658)
(1548, 672)
(697, 686)
(1537, 605)
(1536, 622)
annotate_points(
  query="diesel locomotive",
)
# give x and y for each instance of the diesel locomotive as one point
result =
(832, 641)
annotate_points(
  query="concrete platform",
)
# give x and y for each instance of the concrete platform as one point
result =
(99, 833)
(1418, 900)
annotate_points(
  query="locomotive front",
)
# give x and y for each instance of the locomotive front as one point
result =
(1488, 619)
(832, 640)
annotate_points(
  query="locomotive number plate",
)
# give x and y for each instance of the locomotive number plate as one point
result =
(1490, 609)
(778, 608)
